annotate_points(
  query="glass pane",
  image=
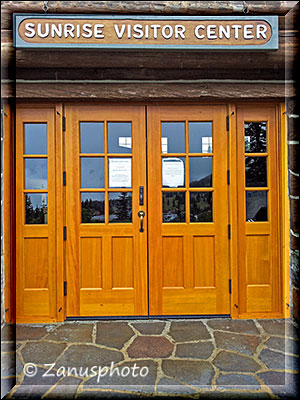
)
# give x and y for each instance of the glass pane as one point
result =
(173, 172)
(172, 137)
(91, 137)
(119, 137)
(92, 172)
(201, 206)
(35, 138)
(256, 206)
(36, 208)
(119, 172)
(92, 207)
(120, 207)
(173, 206)
(256, 171)
(200, 171)
(35, 173)
(200, 137)
(255, 137)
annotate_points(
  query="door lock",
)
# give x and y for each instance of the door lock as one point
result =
(141, 195)
(141, 215)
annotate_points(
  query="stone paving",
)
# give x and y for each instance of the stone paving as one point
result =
(207, 358)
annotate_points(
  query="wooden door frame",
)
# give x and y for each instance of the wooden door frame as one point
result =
(9, 199)
(282, 201)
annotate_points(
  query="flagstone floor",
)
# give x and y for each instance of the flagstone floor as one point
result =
(207, 358)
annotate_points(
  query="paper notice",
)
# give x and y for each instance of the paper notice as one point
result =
(172, 172)
(120, 172)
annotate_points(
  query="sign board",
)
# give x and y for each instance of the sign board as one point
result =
(145, 32)
(172, 172)
(119, 172)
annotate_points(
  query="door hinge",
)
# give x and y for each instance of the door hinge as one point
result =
(229, 286)
(229, 231)
(63, 123)
(227, 123)
(228, 177)
(65, 288)
(65, 233)
(64, 178)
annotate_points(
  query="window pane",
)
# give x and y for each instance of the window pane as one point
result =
(92, 172)
(200, 171)
(201, 206)
(255, 137)
(119, 170)
(173, 206)
(36, 208)
(92, 207)
(172, 137)
(120, 207)
(35, 138)
(200, 137)
(35, 173)
(256, 171)
(173, 171)
(91, 137)
(256, 206)
(119, 137)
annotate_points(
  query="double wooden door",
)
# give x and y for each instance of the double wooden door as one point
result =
(177, 180)
(146, 206)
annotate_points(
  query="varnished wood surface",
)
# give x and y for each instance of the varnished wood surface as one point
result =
(36, 244)
(260, 268)
(106, 263)
(259, 251)
(183, 277)
(284, 210)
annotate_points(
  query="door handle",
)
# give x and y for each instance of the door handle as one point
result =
(141, 215)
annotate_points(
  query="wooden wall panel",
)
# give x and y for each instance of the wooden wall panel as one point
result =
(91, 262)
(258, 260)
(36, 304)
(36, 263)
(172, 261)
(204, 261)
(259, 298)
(122, 262)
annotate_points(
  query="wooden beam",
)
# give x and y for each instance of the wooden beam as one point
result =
(285, 55)
(149, 7)
(153, 91)
(146, 74)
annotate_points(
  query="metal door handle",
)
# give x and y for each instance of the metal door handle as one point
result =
(141, 215)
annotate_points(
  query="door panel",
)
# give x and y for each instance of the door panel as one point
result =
(258, 212)
(106, 254)
(188, 210)
(35, 215)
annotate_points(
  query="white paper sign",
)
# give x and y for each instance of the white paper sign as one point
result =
(172, 172)
(120, 172)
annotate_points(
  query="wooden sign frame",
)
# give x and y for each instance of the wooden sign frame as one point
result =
(175, 32)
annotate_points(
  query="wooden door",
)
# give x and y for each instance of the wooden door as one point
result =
(106, 254)
(188, 210)
(35, 215)
(259, 270)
